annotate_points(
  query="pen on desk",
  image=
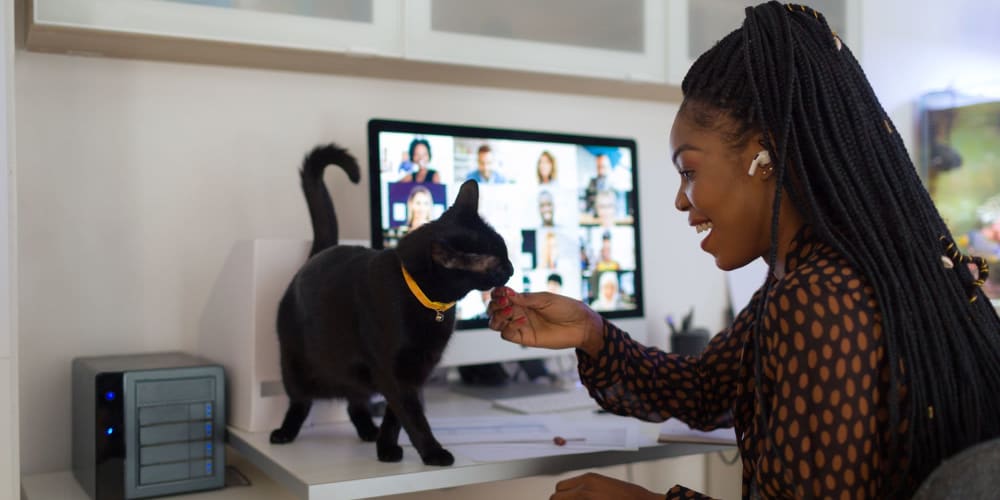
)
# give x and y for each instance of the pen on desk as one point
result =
(557, 440)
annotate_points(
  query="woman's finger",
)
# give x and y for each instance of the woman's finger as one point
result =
(499, 321)
(495, 305)
(516, 334)
(575, 481)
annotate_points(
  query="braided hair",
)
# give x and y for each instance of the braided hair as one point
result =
(787, 76)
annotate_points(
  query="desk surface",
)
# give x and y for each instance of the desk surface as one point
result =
(329, 461)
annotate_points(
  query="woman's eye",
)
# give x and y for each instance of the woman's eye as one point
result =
(687, 174)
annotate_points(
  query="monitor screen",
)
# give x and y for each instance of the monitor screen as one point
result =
(566, 205)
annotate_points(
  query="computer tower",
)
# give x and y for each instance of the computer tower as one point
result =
(148, 425)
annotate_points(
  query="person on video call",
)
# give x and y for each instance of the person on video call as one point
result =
(869, 354)
(608, 297)
(546, 208)
(606, 208)
(550, 251)
(605, 262)
(546, 168)
(601, 181)
(420, 160)
(553, 283)
(485, 172)
(418, 207)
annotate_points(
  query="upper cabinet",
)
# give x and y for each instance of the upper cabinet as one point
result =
(363, 26)
(625, 48)
(613, 39)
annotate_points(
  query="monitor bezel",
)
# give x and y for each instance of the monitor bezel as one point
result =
(378, 125)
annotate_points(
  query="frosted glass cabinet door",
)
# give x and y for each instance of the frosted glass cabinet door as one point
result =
(614, 39)
(695, 25)
(368, 26)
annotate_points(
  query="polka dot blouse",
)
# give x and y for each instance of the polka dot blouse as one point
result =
(824, 380)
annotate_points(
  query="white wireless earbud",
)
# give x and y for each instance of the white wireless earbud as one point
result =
(761, 158)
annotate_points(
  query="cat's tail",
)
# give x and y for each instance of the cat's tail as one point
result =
(324, 219)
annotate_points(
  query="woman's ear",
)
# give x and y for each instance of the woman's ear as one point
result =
(762, 161)
(761, 164)
(767, 172)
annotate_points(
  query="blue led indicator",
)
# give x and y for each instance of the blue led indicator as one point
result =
(208, 467)
(208, 448)
(109, 431)
(208, 429)
(208, 410)
(109, 396)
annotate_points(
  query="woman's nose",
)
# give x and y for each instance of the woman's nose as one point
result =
(681, 202)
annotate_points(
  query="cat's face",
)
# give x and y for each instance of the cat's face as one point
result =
(471, 253)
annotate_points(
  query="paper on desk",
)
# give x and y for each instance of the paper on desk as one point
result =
(515, 428)
(486, 452)
(675, 431)
(622, 434)
(492, 439)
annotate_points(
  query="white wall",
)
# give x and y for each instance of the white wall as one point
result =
(135, 178)
(911, 48)
(9, 451)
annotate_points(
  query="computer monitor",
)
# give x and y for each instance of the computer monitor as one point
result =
(567, 206)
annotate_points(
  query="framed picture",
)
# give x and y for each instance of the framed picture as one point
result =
(960, 164)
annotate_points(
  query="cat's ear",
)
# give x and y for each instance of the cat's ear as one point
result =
(468, 197)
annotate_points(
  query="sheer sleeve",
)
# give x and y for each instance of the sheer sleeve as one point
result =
(627, 378)
(823, 361)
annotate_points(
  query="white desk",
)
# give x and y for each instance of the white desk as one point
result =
(330, 462)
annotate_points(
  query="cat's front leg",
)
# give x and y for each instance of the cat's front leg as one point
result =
(294, 417)
(405, 405)
(387, 444)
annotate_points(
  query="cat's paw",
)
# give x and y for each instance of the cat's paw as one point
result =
(281, 436)
(367, 433)
(390, 453)
(439, 456)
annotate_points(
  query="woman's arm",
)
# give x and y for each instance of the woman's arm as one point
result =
(627, 378)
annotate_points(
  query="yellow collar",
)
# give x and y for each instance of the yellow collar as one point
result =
(438, 307)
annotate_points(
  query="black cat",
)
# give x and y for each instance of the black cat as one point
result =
(351, 323)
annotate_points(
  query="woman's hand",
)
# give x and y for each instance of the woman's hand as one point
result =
(545, 320)
(595, 486)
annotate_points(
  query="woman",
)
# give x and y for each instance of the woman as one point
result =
(546, 168)
(420, 158)
(550, 251)
(606, 263)
(607, 298)
(418, 207)
(869, 354)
